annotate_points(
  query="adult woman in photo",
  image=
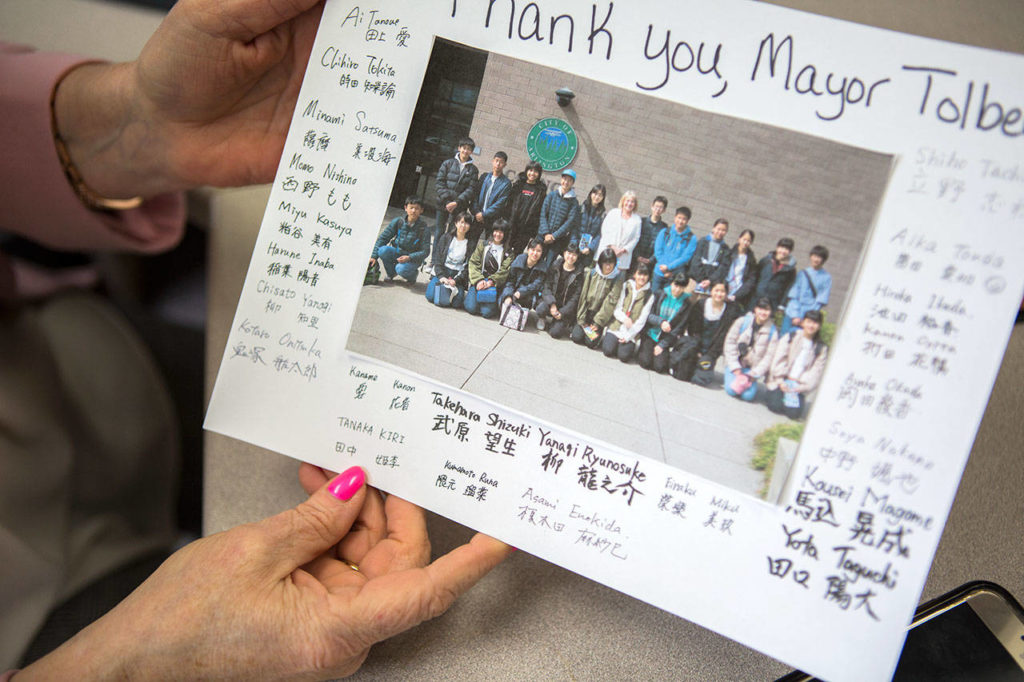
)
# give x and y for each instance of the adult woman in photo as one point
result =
(528, 192)
(741, 275)
(560, 295)
(630, 316)
(796, 368)
(668, 315)
(620, 230)
(450, 265)
(601, 288)
(694, 354)
(588, 236)
(526, 276)
(488, 269)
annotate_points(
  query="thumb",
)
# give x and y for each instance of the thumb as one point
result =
(302, 533)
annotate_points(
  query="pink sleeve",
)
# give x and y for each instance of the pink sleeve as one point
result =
(36, 200)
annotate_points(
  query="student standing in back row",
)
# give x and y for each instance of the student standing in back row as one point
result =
(710, 261)
(456, 180)
(528, 193)
(673, 249)
(492, 198)
(810, 291)
(559, 216)
(775, 274)
(649, 228)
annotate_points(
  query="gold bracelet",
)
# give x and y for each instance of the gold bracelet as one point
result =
(88, 197)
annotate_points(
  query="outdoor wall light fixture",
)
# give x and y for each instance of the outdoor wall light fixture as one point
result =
(564, 96)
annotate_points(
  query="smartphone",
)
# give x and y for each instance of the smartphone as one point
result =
(974, 633)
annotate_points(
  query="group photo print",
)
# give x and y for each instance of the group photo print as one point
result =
(645, 274)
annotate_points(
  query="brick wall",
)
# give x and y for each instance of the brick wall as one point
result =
(775, 182)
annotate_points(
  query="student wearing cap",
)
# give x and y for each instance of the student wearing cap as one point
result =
(796, 368)
(560, 215)
(749, 349)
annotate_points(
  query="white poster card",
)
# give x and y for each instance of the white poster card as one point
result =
(900, 154)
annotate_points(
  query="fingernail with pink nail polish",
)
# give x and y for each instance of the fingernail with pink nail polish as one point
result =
(347, 483)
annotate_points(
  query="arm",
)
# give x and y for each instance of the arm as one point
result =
(795, 297)
(37, 199)
(476, 263)
(619, 313)
(761, 368)
(731, 347)
(641, 321)
(386, 235)
(423, 243)
(469, 176)
(824, 285)
(499, 199)
(809, 380)
(503, 270)
(545, 214)
(571, 303)
(444, 192)
(571, 219)
(277, 599)
(632, 236)
(603, 316)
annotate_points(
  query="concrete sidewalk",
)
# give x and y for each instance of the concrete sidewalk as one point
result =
(701, 430)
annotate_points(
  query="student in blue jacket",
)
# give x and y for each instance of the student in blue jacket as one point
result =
(810, 290)
(673, 249)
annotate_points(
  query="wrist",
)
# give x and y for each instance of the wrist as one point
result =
(114, 151)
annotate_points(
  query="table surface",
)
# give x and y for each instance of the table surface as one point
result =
(531, 619)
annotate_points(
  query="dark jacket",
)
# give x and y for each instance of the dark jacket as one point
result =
(410, 240)
(676, 322)
(746, 290)
(461, 276)
(454, 184)
(562, 289)
(524, 213)
(598, 297)
(648, 233)
(710, 336)
(559, 215)
(590, 223)
(716, 269)
(524, 279)
(500, 195)
(774, 285)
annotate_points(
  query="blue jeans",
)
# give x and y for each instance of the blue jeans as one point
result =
(475, 307)
(456, 300)
(748, 394)
(388, 257)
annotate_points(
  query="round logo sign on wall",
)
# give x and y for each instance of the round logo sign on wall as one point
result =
(552, 143)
